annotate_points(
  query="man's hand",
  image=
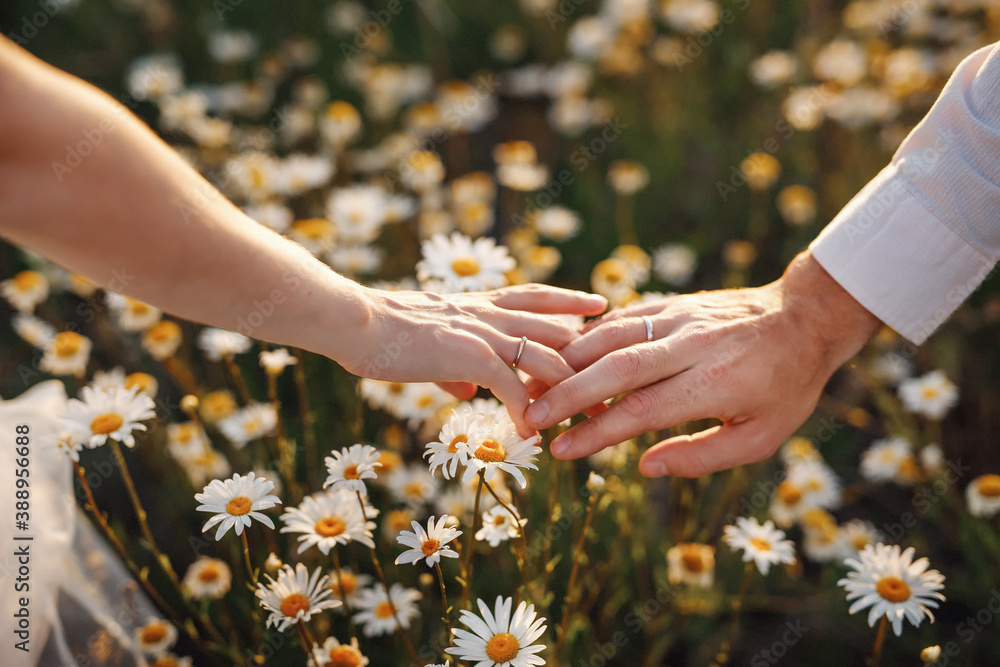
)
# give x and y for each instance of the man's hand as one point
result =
(756, 359)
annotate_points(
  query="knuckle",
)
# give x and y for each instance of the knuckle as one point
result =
(701, 336)
(626, 363)
(639, 404)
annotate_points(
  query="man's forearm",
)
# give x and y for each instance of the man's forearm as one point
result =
(134, 217)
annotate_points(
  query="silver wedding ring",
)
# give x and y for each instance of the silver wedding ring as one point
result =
(520, 350)
(649, 327)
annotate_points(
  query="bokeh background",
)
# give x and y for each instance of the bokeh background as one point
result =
(746, 126)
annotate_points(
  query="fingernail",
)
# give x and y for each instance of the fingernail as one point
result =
(537, 412)
(560, 446)
(655, 469)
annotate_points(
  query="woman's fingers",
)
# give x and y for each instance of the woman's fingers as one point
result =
(545, 329)
(463, 391)
(545, 299)
(508, 388)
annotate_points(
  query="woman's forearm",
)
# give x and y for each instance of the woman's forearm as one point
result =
(130, 214)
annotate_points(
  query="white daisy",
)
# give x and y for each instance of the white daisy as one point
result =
(464, 265)
(429, 545)
(208, 578)
(808, 484)
(162, 339)
(208, 465)
(931, 395)
(375, 611)
(412, 485)
(67, 354)
(155, 637)
(675, 264)
(763, 544)
(458, 501)
(498, 638)
(691, 564)
(825, 543)
(219, 343)
(275, 361)
(885, 458)
(186, 440)
(295, 596)
(133, 316)
(329, 518)
(235, 501)
(101, 415)
(334, 654)
(349, 467)
(983, 495)
(358, 212)
(892, 584)
(351, 582)
(445, 453)
(271, 214)
(25, 290)
(498, 526)
(67, 442)
(170, 660)
(500, 447)
(254, 421)
(355, 260)
(557, 223)
(32, 330)
(858, 534)
(595, 483)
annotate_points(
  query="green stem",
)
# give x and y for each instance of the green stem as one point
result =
(879, 641)
(444, 601)
(523, 555)
(246, 557)
(570, 587)
(467, 570)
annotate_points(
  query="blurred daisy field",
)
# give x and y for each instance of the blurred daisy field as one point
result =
(267, 507)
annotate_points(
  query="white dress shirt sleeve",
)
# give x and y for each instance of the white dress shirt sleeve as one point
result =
(919, 238)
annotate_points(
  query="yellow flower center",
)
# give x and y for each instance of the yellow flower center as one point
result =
(154, 633)
(293, 604)
(28, 280)
(343, 656)
(383, 610)
(465, 266)
(67, 343)
(348, 583)
(760, 544)
(313, 228)
(109, 422)
(251, 426)
(331, 526)
(453, 445)
(208, 574)
(893, 589)
(989, 486)
(341, 111)
(502, 647)
(425, 401)
(396, 388)
(399, 519)
(166, 661)
(490, 451)
(414, 490)
(691, 558)
(144, 381)
(163, 331)
(789, 493)
(351, 472)
(239, 506)
(430, 547)
(138, 307)
(500, 520)
(860, 542)
(929, 392)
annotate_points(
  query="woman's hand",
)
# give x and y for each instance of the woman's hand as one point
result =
(756, 359)
(457, 339)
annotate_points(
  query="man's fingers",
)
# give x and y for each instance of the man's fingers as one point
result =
(553, 300)
(717, 448)
(613, 374)
(638, 310)
(596, 343)
(463, 391)
(648, 409)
